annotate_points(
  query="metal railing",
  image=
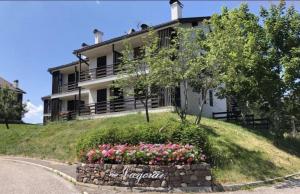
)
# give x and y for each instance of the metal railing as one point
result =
(96, 73)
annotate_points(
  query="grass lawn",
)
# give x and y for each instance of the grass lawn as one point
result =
(246, 155)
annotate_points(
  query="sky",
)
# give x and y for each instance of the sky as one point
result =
(36, 35)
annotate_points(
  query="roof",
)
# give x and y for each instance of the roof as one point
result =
(46, 97)
(63, 66)
(4, 83)
(180, 20)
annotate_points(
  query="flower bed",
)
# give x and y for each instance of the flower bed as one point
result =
(146, 165)
(152, 154)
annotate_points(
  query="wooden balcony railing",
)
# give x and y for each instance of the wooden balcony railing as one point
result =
(120, 105)
(98, 72)
(68, 115)
(69, 87)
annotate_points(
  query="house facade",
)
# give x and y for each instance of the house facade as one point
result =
(19, 92)
(82, 89)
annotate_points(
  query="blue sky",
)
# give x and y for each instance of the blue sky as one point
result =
(37, 35)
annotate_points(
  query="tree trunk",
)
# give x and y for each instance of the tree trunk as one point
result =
(146, 109)
(199, 117)
(145, 103)
(278, 131)
(6, 123)
(293, 126)
(183, 112)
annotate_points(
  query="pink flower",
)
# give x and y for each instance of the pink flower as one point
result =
(104, 153)
(146, 154)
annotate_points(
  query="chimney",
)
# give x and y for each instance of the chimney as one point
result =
(176, 9)
(84, 44)
(16, 84)
(131, 30)
(98, 36)
(144, 26)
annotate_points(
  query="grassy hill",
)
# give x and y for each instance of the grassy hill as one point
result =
(245, 155)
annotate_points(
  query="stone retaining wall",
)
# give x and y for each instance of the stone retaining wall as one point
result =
(195, 175)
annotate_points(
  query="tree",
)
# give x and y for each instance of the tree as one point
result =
(173, 69)
(282, 28)
(136, 78)
(187, 62)
(260, 61)
(235, 44)
(205, 71)
(10, 107)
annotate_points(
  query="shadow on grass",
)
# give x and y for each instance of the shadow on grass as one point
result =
(288, 144)
(230, 156)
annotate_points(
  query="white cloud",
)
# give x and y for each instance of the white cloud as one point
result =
(34, 114)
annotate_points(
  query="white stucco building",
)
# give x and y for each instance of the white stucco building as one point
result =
(82, 89)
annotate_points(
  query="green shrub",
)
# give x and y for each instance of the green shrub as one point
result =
(147, 133)
(154, 133)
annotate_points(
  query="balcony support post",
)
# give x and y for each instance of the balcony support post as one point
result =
(79, 67)
(82, 60)
(76, 75)
(76, 103)
(113, 51)
(114, 58)
(79, 100)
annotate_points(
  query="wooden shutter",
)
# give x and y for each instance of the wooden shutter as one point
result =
(55, 109)
(55, 82)
(165, 37)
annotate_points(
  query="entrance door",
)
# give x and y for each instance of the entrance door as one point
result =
(71, 105)
(117, 61)
(101, 67)
(55, 109)
(71, 82)
(101, 105)
(117, 103)
(55, 82)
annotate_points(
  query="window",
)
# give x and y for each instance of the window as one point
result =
(194, 24)
(211, 98)
(137, 52)
(117, 60)
(165, 37)
(117, 57)
(101, 67)
(101, 61)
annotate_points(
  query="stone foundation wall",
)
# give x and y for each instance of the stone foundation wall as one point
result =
(195, 175)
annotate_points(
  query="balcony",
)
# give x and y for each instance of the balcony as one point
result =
(98, 73)
(65, 90)
(122, 105)
(67, 115)
(69, 87)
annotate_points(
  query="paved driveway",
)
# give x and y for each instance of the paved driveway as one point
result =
(291, 186)
(17, 178)
(20, 178)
